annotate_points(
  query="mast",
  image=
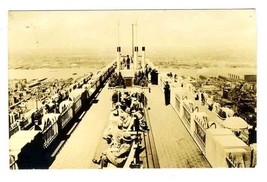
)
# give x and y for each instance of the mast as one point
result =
(143, 56)
(136, 50)
(132, 40)
(118, 51)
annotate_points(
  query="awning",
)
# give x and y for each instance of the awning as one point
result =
(235, 123)
(20, 139)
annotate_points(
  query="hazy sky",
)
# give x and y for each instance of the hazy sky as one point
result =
(172, 31)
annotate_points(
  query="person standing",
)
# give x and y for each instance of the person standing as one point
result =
(202, 99)
(167, 93)
(149, 82)
(252, 136)
(128, 62)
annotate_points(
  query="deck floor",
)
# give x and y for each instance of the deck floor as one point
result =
(175, 147)
(86, 143)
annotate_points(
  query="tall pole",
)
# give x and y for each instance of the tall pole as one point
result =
(136, 33)
(118, 33)
(136, 50)
(118, 52)
(132, 40)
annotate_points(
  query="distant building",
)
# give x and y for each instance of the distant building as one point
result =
(244, 77)
(250, 78)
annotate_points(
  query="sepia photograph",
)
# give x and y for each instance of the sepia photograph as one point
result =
(134, 89)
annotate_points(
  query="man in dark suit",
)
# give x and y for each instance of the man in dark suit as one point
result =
(167, 93)
(128, 62)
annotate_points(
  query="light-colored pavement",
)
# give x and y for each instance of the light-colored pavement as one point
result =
(86, 142)
(175, 147)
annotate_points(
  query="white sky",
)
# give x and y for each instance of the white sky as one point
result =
(171, 32)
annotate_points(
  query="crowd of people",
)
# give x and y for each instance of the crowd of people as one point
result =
(116, 79)
(127, 119)
(141, 79)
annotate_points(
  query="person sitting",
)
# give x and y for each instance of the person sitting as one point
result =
(142, 121)
(123, 105)
(116, 130)
(128, 101)
(116, 155)
(135, 105)
(127, 122)
(112, 134)
(119, 109)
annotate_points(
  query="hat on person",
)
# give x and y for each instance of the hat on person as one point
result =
(120, 124)
(127, 137)
(115, 112)
(127, 110)
(118, 104)
(123, 116)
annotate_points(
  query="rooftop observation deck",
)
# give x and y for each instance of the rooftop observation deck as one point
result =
(174, 146)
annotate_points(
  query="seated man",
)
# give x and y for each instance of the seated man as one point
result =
(141, 117)
(116, 155)
(117, 111)
(135, 105)
(128, 100)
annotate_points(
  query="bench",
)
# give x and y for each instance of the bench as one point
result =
(131, 156)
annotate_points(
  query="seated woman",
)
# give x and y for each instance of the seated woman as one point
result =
(115, 131)
(112, 134)
(116, 155)
(127, 122)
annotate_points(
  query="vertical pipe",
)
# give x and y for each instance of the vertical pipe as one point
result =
(136, 34)
(135, 57)
(143, 58)
(118, 33)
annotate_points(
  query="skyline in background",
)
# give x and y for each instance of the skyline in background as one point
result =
(175, 33)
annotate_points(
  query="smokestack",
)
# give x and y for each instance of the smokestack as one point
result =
(135, 57)
(143, 58)
(118, 59)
